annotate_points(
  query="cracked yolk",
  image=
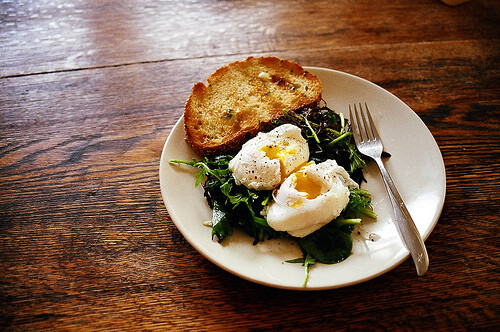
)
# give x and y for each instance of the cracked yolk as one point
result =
(279, 151)
(304, 184)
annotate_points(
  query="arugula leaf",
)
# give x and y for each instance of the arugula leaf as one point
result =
(220, 224)
(330, 244)
(233, 205)
(206, 166)
(307, 261)
(359, 204)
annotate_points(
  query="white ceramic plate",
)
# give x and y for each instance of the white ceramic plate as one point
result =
(416, 166)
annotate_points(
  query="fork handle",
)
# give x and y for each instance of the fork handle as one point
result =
(404, 223)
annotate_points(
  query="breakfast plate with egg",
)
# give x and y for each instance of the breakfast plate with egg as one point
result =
(416, 166)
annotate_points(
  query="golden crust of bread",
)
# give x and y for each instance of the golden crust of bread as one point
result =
(243, 98)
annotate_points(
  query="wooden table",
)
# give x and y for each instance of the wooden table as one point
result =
(89, 92)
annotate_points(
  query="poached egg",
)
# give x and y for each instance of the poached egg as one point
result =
(267, 159)
(309, 198)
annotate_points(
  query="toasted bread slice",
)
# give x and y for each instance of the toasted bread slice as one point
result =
(241, 98)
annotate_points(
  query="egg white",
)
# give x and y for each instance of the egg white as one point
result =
(264, 161)
(309, 198)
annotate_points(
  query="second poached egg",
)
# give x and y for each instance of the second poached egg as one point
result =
(310, 198)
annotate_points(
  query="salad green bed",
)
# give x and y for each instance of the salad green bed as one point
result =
(235, 206)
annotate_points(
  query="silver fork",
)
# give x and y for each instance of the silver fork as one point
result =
(369, 143)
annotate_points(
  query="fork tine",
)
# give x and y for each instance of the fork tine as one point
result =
(354, 124)
(361, 123)
(365, 124)
(373, 128)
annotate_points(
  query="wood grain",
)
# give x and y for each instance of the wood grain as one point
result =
(89, 91)
(56, 36)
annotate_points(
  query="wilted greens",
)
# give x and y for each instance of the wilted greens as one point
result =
(235, 206)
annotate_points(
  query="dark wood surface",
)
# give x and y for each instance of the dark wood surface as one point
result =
(90, 90)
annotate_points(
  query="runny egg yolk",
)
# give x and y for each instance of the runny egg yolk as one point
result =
(305, 184)
(279, 151)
